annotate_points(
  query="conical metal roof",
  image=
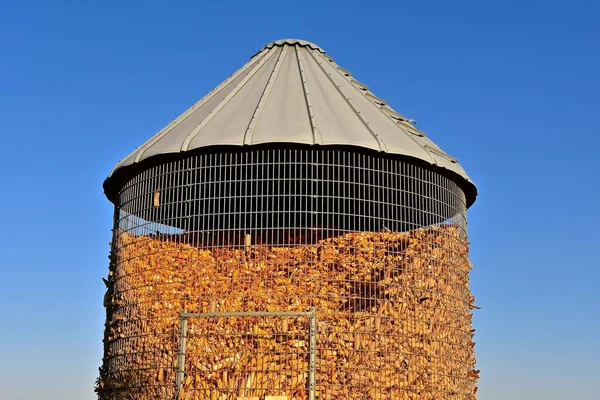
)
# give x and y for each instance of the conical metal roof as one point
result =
(291, 91)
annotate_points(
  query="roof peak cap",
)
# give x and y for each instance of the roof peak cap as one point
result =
(291, 42)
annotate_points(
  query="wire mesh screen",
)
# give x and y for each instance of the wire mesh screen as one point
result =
(375, 244)
(248, 356)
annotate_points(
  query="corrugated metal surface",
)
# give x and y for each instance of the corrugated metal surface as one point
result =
(292, 92)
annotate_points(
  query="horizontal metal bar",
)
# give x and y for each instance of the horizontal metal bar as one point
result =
(249, 314)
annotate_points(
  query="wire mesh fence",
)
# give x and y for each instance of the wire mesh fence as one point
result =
(376, 244)
(247, 355)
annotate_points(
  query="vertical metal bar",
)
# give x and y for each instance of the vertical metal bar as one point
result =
(181, 355)
(312, 371)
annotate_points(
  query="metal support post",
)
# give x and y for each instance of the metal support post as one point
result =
(312, 320)
(312, 371)
(181, 354)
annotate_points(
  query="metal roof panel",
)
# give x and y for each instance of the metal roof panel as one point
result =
(291, 92)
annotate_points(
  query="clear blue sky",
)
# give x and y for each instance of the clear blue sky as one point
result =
(510, 88)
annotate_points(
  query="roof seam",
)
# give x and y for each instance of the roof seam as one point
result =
(263, 98)
(380, 142)
(163, 132)
(311, 115)
(389, 117)
(213, 113)
(439, 152)
(348, 76)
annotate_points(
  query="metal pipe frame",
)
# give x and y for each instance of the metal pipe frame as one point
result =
(312, 318)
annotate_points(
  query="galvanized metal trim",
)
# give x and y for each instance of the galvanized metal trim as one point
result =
(213, 113)
(247, 314)
(264, 97)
